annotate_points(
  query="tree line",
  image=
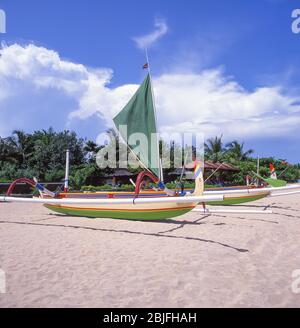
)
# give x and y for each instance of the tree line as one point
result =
(41, 154)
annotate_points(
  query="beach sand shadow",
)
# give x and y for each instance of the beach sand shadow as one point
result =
(158, 235)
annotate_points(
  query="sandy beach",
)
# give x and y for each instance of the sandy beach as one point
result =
(232, 260)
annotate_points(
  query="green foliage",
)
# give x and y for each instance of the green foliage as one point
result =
(8, 171)
(130, 187)
(42, 154)
(54, 175)
(106, 187)
(79, 176)
(246, 168)
(187, 185)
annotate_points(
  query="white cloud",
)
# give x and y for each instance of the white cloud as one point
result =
(39, 89)
(145, 41)
(209, 102)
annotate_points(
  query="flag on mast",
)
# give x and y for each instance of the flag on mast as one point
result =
(273, 171)
(146, 66)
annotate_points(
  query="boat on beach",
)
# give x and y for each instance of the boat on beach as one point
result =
(139, 116)
(228, 199)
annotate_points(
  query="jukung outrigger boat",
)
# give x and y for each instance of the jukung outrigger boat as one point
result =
(239, 194)
(139, 116)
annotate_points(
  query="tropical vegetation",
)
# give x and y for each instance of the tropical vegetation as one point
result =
(41, 154)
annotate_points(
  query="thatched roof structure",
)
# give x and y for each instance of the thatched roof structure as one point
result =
(208, 165)
(119, 173)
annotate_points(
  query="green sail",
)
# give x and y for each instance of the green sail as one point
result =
(139, 117)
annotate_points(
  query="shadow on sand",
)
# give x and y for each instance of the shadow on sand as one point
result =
(161, 234)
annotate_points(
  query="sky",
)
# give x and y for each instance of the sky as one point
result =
(221, 67)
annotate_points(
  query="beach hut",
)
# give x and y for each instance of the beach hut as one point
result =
(209, 168)
(118, 177)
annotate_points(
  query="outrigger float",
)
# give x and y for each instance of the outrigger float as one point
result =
(139, 116)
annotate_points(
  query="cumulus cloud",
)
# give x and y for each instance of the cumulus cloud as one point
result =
(145, 41)
(38, 89)
(211, 103)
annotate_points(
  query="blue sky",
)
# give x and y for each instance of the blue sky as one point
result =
(247, 48)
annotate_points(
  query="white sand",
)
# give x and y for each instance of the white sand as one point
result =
(230, 260)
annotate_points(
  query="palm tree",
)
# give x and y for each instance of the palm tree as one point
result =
(236, 151)
(20, 143)
(7, 151)
(214, 149)
(91, 147)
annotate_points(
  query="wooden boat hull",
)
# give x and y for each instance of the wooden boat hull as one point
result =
(236, 200)
(141, 211)
(136, 212)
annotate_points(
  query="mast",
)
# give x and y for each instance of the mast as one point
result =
(258, 164)
(66, 186)
(161, 178)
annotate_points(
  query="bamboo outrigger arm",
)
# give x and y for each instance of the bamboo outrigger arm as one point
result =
(186, 199)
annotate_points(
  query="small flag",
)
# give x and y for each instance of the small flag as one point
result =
(146, 66)
(197, 169)
(272, 168)
(272, 171)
